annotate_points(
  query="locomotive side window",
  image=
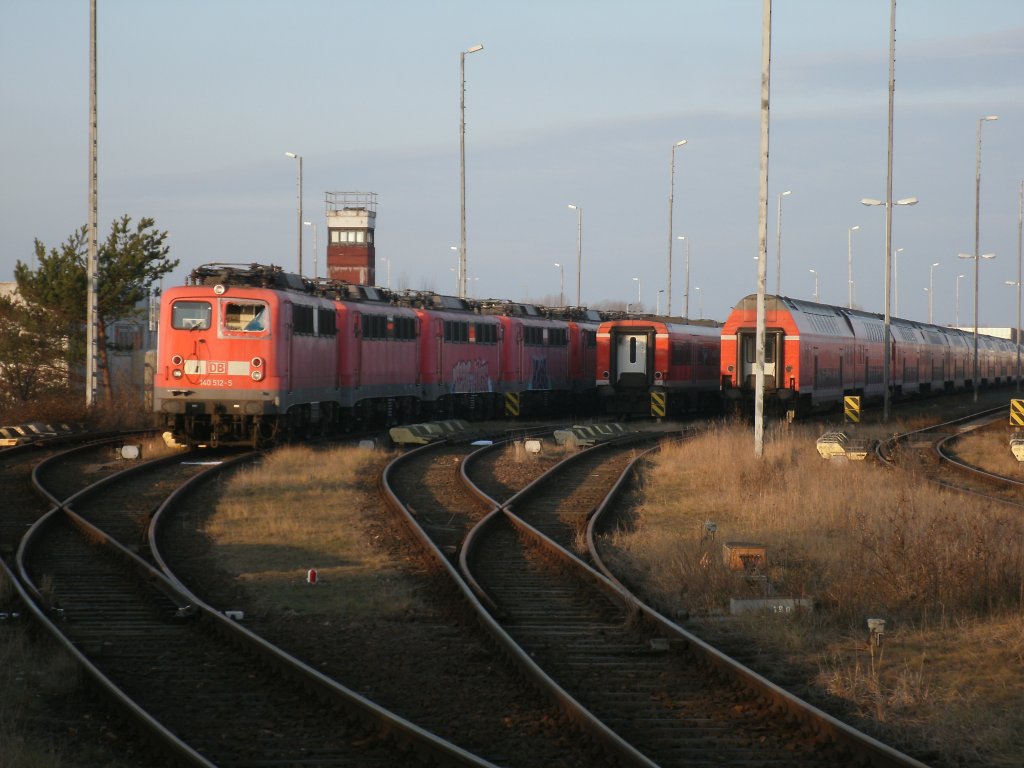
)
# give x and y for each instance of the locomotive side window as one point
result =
(191, 315)
(302, 319)
(327, 322)
(251, 317)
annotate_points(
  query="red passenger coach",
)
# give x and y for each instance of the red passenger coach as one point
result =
(652, 367)
(815, 354)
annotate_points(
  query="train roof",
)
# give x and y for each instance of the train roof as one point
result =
(786, 303)
(273, 277)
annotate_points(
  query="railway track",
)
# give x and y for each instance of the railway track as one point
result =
(648, 692)
(205, 689)
(933, 452)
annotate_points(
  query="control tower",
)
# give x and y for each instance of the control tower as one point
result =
(351, 218)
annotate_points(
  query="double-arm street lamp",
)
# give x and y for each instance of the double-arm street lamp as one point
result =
(977, 260)
(887, 335)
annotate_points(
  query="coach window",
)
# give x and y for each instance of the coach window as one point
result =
(246, 317)
(191, 315)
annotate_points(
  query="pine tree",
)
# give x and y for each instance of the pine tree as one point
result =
(130, 261)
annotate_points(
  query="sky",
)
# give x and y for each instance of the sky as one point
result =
(570, 101)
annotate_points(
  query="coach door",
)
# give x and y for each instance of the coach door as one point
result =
(632, 363)
(772, 358)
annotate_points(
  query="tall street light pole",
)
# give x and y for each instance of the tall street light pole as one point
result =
(299, 158)
(977, 260)
(579, 249)
(313, 225)
(896, 280)
(849, 263)
(931, 288)
(700, 303)
(1020, 236)
(778, 245)
(762, 226)
(977, 232)
(815, 273)
(458, 268)
(886, 395)
(671, 209)
(637, 279)
(686, 287)
(561, 284)
(462, 167)
(92, 255)
(956, 321)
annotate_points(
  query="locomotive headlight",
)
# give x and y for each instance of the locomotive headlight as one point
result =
(256, 362)
(176, 373)
(604, 374)
(219, 289)
(177, 360)
(730, 369)
(657, 375)
(257, 375)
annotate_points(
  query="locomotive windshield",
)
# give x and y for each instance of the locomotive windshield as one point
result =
(191, 315)
(247, 316)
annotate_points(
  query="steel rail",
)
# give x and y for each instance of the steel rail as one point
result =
(819, 721)
(573, 709)
(187, 602)
(397, 726)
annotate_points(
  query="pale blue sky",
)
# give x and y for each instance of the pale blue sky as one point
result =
(569, 102)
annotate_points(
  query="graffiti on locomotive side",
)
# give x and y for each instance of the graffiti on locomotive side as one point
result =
(472, 376)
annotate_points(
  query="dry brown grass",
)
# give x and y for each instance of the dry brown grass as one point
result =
(946, 573)
(305, 508)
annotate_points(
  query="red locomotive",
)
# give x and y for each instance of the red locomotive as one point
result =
(647, 366)
(815, 354)
(249, 353)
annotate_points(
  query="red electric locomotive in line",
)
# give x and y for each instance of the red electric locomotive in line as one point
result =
(815, 354)
(247, 353)
(652, 367)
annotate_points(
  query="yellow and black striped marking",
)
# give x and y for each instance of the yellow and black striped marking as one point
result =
(851, 407)
(657, 404)
(512, 404)
(1017, 412)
